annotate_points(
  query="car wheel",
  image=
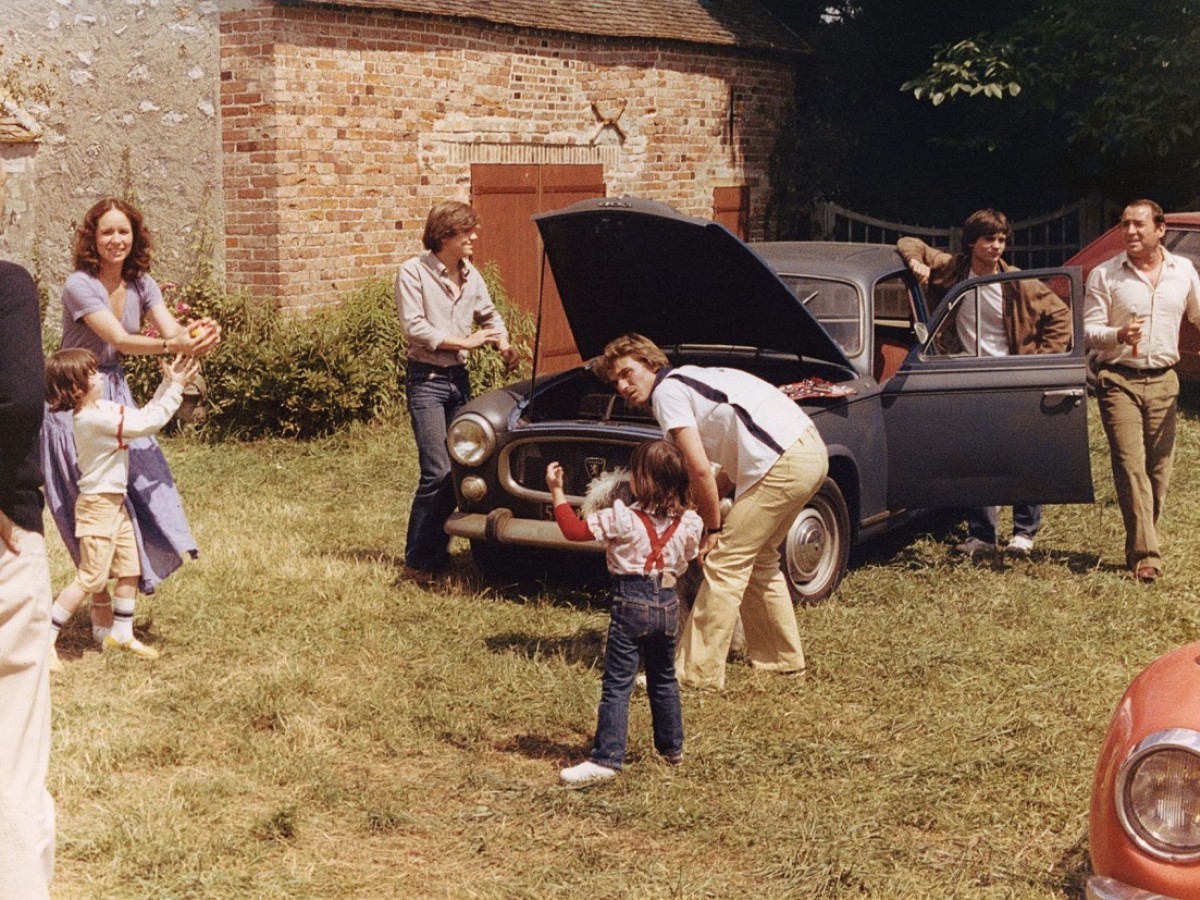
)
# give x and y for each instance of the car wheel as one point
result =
(816, 550)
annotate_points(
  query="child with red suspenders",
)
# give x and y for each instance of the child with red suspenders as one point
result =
(648, 545)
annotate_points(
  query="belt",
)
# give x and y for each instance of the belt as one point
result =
(417, 364)
(1136, 372)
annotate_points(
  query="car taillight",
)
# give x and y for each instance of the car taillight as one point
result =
(1158, 794)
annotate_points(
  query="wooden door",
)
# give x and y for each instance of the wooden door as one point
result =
(506, 196)
(731, 207)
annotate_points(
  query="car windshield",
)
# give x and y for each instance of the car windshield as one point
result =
(835, 304)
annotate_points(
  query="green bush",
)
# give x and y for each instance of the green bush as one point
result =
(306, 376)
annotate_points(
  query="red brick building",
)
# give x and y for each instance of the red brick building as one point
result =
(342, 123)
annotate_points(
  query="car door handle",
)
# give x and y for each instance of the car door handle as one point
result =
(1074, 394)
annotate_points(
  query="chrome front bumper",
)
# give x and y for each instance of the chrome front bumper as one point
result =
(1101, 887)
(501, 527)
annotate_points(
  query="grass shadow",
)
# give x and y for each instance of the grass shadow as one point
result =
(1071, 870)
(535, 746)
(584, 648)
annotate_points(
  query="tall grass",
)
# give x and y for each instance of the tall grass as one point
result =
(318, 727)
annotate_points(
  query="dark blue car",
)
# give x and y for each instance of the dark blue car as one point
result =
(844, 327)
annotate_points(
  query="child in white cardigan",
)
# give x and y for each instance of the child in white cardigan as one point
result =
(107, 547)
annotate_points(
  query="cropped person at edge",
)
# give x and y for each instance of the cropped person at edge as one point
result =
(26, 808)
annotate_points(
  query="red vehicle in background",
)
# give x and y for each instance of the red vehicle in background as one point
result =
(1183, 237)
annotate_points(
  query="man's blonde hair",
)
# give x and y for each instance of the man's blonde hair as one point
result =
(636, 347)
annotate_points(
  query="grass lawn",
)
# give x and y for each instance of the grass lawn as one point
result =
(317, 727)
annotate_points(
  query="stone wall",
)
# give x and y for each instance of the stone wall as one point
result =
(135, 116)
(309, 143)
(342, 128)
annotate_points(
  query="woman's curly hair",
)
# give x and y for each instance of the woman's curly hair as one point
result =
(87, 256)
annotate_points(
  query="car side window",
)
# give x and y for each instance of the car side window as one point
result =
(836, 305)
(1011, 317)
(895, 325)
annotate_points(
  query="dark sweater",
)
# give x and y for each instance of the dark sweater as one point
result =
(22, 395)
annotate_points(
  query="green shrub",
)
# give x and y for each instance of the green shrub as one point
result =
(306, 376)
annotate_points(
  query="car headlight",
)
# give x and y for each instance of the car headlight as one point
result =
(1158, 794)
(471, 439)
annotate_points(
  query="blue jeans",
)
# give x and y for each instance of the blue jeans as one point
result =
(981, 522)
(435, 394)
(643, 624)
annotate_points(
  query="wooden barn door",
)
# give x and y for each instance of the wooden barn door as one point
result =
(731, 207)
(506, 196)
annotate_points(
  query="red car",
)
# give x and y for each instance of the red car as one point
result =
(1183, 237)
(1144, 828)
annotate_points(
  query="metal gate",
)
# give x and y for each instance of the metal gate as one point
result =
(1047, 240)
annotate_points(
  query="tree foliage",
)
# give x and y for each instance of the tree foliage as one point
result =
(924, 110)
(1121, 74)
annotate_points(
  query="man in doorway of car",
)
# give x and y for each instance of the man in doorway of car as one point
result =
(1014, 317)
(1132, 311)
(441, 299)
(770, 452)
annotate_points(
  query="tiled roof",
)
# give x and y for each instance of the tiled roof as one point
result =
(730, 23)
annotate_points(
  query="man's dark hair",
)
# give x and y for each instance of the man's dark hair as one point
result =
(984, 223)
(448, 218)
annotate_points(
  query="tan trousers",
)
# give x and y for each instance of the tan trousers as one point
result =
(26, 808)
(742, 574)
(1138, 412)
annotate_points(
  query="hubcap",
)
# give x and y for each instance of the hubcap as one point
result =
(807, 543)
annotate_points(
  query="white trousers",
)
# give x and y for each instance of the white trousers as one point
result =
(26, 808)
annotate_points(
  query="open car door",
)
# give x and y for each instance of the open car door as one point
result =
(965, 428)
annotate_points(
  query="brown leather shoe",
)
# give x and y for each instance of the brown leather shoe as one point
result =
(1146, 574)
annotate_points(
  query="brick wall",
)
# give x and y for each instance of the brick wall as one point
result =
(340, 129)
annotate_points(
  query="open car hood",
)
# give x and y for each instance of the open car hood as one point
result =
(624, 264)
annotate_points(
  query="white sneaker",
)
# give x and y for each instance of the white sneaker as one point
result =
(973, 545)
(586, 773)
(1020, 545)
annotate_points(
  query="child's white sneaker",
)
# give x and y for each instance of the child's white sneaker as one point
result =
(1020, 545)
(586, 773)
(132, 646)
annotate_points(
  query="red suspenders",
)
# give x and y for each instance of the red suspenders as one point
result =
(657, 541)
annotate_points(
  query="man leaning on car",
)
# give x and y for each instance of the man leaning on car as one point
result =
(1014, 317)
(1134, 306)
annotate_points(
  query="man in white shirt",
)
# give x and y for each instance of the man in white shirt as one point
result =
(441, 299)
(1134, 306)
(769, 452)
(1014, 317)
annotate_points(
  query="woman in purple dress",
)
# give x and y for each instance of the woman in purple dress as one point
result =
(104, 304)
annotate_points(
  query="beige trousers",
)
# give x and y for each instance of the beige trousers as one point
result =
(742, 574)
(26, 808)
(1138, 413)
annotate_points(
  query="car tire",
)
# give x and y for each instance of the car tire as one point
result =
(816, 551)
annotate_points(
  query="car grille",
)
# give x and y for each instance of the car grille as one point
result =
(581, 461)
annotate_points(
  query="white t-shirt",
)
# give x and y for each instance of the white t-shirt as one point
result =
(992, 339)
(745, 423)
(627, 545)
